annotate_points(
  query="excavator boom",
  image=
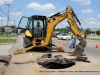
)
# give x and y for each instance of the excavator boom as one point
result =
(71, 19)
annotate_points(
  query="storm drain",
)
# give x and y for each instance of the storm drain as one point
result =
(56, 62)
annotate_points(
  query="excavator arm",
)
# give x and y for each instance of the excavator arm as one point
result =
(72, 20)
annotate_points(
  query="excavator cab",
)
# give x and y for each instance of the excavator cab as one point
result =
(34, 25)
(34, 28)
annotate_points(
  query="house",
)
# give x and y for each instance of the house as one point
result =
(8, 29)
(93, 30)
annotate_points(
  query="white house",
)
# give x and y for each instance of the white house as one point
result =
(8, 29)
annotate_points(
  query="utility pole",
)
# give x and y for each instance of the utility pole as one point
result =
(15, 26)
(14, 22)
(8, 17)
(1, 23)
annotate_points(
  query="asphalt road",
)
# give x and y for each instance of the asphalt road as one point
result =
(25, 64)
(90, 49)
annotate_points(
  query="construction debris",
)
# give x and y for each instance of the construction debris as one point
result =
(5, 59)
(4, 62)
(84, 59)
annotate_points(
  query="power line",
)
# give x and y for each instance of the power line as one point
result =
(2, 16)
(1, 10)
(3, 13)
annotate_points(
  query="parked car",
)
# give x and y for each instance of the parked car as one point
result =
(63, 36)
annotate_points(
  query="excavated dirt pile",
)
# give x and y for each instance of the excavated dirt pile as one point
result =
(56, 62)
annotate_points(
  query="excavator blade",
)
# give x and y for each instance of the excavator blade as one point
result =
(79, 49)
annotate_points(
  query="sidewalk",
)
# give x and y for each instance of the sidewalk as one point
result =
(4, 49)
(8, 37)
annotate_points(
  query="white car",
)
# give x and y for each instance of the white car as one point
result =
(63, 37)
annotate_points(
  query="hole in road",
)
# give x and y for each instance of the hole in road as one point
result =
(56, 62)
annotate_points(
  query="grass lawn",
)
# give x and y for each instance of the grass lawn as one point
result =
(7, 40)
(93, 39)
(9, 35)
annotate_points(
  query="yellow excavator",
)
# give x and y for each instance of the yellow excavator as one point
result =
(44, 38)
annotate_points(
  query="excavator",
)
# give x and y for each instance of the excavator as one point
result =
(44, 39)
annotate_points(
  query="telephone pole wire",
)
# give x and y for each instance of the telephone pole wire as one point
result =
(8, 17)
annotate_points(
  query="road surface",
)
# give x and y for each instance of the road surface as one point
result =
(25, 64)
(90, 48)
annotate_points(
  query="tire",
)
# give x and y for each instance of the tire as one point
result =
(26, 42)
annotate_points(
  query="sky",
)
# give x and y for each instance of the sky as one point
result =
(87, 11)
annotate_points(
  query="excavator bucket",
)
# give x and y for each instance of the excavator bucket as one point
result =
(79, 49)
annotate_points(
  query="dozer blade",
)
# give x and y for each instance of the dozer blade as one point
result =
(79, 48)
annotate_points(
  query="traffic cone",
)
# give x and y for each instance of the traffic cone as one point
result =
(97, 45)
(61, 46)
(57, 45)
(67, 40)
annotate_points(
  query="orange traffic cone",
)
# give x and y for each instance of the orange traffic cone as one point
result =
(61, 46)
(97, 45)
(67, 40)
(57, 45)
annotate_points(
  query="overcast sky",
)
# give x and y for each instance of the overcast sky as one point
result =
(88, 11)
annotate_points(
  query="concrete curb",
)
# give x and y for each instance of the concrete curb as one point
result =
(7, 43)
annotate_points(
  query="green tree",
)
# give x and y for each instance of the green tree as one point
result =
(2, 29)
(63, 30)
(13, 28)
(88, 31)
(98, 32)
